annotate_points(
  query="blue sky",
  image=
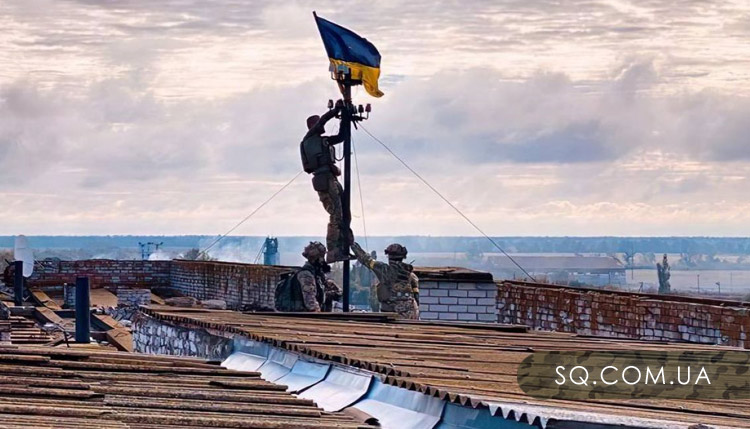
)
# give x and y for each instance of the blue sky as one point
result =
(534, 117)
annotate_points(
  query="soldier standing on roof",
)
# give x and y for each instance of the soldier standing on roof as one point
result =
(319, 159)
(318, 291)
(398, 289)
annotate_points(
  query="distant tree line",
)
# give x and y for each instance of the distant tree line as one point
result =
(474, 245)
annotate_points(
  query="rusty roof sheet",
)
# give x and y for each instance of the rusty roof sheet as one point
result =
(66, 388)
(469, 366)
(25, 331)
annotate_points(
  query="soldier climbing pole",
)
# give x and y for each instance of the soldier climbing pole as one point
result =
(350, 114)
(353, 61)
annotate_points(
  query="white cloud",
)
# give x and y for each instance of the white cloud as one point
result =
(175, 117)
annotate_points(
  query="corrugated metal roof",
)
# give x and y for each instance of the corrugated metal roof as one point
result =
(64, 388)
(26, 331)
(468, 366)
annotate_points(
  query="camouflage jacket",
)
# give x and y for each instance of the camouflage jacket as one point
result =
(316, 288)
(397, 277)
(313, 284)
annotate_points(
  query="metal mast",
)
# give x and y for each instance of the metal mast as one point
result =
(350, 114)
(346, 125)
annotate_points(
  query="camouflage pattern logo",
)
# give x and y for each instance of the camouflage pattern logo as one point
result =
(636, 375)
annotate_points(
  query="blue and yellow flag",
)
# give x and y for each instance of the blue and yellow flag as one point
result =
(344, 47)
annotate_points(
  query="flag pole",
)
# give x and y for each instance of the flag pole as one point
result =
(341, 72)
(346, 126)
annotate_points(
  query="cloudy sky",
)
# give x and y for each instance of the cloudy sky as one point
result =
(535, 117)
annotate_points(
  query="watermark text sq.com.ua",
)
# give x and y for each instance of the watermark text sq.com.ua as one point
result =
(631, 375)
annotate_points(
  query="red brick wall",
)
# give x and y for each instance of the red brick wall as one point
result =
(242, 286)
(623, 315)
(101, 273)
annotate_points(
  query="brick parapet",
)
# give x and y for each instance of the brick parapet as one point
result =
(241, 286)
(154, 336)
(621, 315)
(101, 273)
(458, 300)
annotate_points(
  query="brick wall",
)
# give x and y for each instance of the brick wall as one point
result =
(242, 286)
(452, 293)
(154, 336)
(69, 295)
(623, 315)
(101, 273)
(457, 300)
(133, 297)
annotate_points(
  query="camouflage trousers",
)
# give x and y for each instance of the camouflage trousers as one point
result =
(406, 308)
(338, 235)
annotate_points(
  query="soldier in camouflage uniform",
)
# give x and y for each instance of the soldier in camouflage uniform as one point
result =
(319, 159)
(366, 279)
(318, 291)
(398, 290)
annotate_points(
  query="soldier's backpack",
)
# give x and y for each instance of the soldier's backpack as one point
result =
(316, 153)
(288, 295)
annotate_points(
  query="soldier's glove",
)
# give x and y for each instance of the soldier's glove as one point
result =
(339, 105)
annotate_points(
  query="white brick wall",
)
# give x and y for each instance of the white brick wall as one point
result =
(464, 301)
(133, 297)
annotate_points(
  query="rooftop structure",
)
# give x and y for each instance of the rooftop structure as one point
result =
(442, 374)
(578, 263)
(592, 270)
(464, 365)
(68, 388)
(446, 294)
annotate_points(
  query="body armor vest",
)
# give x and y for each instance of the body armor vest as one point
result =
(403, 272)
(317, 155)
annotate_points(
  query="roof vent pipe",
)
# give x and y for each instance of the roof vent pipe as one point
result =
(18, 281)
(83, 310)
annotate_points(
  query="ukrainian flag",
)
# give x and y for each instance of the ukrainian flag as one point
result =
(344, 47)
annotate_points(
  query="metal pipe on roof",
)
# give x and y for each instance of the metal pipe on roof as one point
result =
(83, 311)
(18, 281)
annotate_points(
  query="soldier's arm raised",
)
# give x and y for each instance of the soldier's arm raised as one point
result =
(365, 259)
(319, 127)
(337, 138)
(309, 292)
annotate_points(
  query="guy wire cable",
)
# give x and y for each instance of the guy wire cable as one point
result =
(359, 186)
(260, 252)
(203, 252)
(448, 202)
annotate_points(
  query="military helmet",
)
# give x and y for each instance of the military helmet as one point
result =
(315, 250)
(396, 251)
